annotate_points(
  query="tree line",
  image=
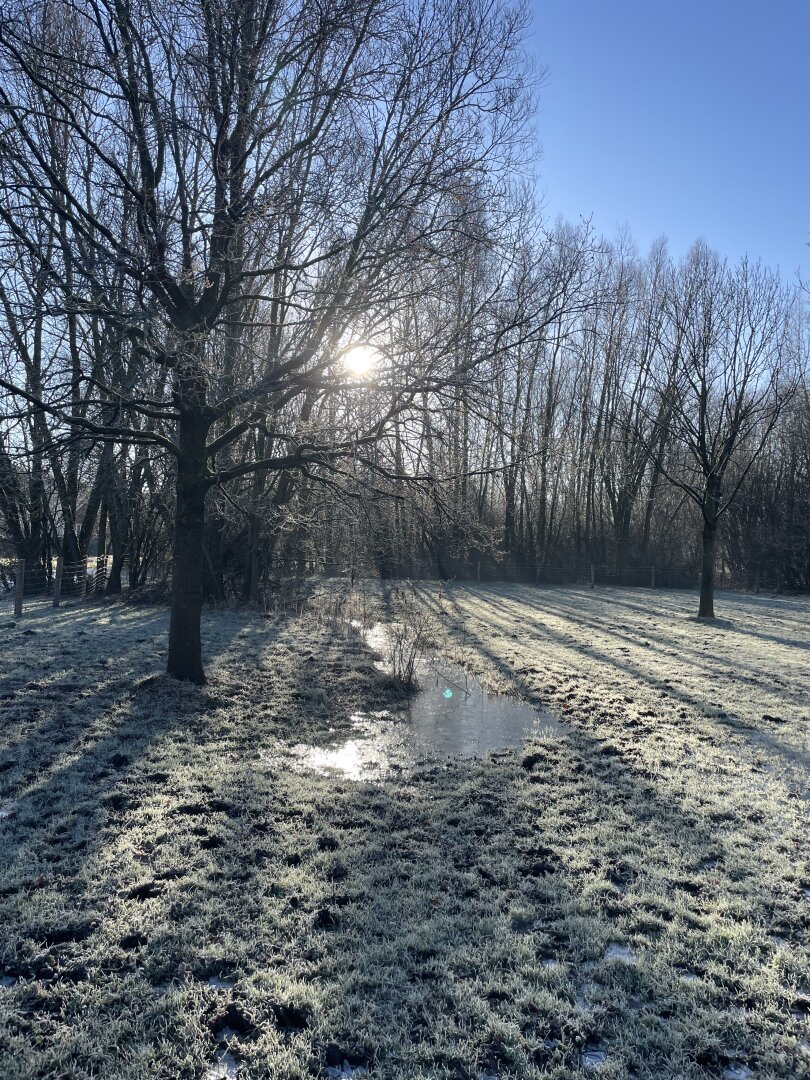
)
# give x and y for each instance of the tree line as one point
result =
(208, 208)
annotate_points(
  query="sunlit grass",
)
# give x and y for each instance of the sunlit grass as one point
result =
(636, 889)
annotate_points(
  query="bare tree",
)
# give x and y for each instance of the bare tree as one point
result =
(729, 368)
(248, 166)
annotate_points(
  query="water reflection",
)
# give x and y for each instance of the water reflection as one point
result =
(450, 716)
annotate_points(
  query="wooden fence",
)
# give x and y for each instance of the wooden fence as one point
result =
(77, 581)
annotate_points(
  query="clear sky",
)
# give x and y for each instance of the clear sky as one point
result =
(680, 118)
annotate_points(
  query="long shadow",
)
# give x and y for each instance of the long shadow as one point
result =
(750, 631)
(387, 901)
(636, 672)
(442, 949)
(790, 755)
(542, 602)
(124, 815)
(76, 737)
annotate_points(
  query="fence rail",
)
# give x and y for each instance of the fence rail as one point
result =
(80, 580)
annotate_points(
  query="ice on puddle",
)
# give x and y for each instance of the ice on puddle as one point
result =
(583, 1000)
(224, 1033)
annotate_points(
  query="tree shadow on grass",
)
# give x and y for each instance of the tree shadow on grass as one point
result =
(407, 926)
(137, 833)
(707, 885)
(481, 910)
(789, 755)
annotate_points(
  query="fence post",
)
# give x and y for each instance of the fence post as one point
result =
(101, 574)
(57, 581)
(83, 582)
(652, 576)
(19, 585)
(593, 577)
(478, 571)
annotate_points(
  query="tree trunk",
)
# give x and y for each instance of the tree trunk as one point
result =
(710, 508)
(185, 648)
(113, 586)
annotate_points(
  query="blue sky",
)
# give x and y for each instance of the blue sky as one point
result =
(679, 118)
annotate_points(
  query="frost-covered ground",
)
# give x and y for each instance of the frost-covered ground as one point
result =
(632, 899)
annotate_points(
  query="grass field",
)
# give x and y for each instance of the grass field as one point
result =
(630, 900)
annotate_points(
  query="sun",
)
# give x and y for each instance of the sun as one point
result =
(361, 359)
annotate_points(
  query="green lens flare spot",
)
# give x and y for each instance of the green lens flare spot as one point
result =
(448, 693)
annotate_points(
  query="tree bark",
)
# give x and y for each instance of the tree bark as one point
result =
(711, 506)
(185, 648)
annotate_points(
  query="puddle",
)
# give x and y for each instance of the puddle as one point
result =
(450, 716)
(376, 750)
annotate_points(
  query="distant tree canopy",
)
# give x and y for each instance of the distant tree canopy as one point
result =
(208, 208)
